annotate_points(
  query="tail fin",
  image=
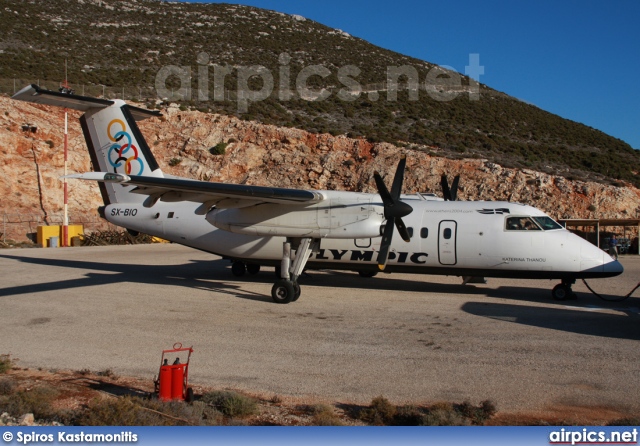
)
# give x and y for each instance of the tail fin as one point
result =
(113, 138)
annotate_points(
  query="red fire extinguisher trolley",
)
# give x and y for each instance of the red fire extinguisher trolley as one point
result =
(172, 381)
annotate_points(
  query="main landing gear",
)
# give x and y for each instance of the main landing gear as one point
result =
(563, 290)
(238, 268)
(286, 289)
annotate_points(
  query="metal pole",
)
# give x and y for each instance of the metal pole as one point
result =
(65, 222)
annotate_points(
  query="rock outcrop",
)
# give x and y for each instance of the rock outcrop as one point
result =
(263, 155)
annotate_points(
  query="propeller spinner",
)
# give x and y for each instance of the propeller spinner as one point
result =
(394, 210)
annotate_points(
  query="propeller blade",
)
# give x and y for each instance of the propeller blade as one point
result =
(454, 188)
(396, 187)
(382, 190)
(402, 230)
(385, 244)
(446, 192)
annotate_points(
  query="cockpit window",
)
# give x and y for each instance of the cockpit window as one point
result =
(547, 223)
(521, 224)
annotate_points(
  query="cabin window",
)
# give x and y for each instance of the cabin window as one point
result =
(170, 215)
(547, 223)
(446, 233)
(521, 224)
(424, 232)
(410, 231)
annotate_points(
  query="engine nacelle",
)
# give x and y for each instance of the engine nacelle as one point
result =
(333, 218)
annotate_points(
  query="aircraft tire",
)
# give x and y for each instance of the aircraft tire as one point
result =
(238, 268)
(253, 268)
(368, 274)
(282, 291)
(296, 291)
(561, 292)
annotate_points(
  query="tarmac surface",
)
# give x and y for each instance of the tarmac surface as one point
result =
(348, 339)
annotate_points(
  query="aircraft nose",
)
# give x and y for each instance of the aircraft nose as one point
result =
(614, 267)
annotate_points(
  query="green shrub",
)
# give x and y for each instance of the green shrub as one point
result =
(37, 401)
(324, 415)
(379, 412)
(118, 412)
(625, 422)
(232, 404)
(134, 411)
(477, 415)
(443, 416)
(5, 364)
(409, 416)
(7, 387)
(219, 149)
(175, 161)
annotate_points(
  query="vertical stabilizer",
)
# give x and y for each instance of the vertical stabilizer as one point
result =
(116, 145)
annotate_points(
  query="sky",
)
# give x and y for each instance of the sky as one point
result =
(577, 59)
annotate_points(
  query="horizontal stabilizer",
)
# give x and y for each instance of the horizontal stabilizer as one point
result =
(33, 93)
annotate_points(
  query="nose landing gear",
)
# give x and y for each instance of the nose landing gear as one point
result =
(563, 290)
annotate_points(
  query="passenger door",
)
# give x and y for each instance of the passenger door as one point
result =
(447, 233)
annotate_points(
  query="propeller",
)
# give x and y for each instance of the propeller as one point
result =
(449, 194)
(394, 210)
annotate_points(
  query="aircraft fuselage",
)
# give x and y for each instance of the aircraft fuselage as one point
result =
(453, 238)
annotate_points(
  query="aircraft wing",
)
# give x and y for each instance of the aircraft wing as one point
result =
(221, 194)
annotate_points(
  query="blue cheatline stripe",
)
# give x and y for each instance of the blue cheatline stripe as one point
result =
(296, 436)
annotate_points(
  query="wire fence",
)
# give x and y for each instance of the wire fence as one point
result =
(23, 227)
(140, 94)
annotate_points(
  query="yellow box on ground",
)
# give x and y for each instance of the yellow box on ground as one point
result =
(46, 232)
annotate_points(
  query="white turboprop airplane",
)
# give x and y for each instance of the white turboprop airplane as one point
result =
(292, 229)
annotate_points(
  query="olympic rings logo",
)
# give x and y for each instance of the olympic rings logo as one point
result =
(123, 152)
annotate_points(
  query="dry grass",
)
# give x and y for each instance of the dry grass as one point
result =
(231, 404)
(5, 364)
(134, 411)
(383, 413)
(78, 398)
(37, 401)
(324, 415)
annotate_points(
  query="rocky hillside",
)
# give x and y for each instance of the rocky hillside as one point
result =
(183, 142)
(126, 44)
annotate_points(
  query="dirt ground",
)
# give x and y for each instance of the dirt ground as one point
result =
(77, 389)
(414, 340)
